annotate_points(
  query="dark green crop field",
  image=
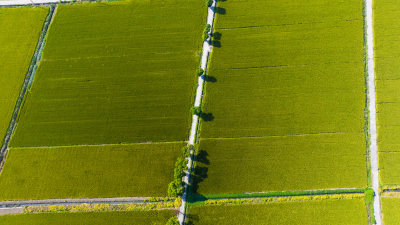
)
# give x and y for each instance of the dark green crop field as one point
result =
(280, 163)
(20, 30)
(387, 65)
(291, 75)
(89, 171)
(159, 217)
(349, 212)
(121, 72)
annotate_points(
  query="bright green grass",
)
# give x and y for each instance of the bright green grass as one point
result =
(349, 212)
(88, 171)
(292, 70)
(159, 217)
(304, 162)
(120, 72)
(387, 66)
(390, 210)
(20, 30)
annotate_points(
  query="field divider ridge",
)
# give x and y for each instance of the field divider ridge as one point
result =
(72, 201)
(372, 111)
(207, 48)
(27, 83)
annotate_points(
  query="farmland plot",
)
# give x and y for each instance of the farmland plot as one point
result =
(387, 66)
(112, 73)
(159, 217)
(20, 30)
(349, 212)
(289, 75)
(89, 171)
(390, 210)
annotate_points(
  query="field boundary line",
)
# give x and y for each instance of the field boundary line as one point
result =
(372, 111)
(287, 193)
(272, 136)
(274, 199)
(72, 201)
(94, 145)
(26, 85)
(207, 48)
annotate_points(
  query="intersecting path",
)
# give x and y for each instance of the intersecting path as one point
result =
(28, 2)
(372, 113)
(207, 48)
(15, 207)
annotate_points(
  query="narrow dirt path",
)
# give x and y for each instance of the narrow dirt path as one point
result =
(69, 201)
(372, 112)
(207, 48)
(28, 2)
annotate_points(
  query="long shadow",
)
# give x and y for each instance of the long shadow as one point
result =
(208, 78)
(218, 10)
(199, 174)
(216, 39)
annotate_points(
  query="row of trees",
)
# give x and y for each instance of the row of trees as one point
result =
(176, 187)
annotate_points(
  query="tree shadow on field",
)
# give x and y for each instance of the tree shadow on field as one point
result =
(218, 10)
(206, 117)
(216, 39)
(208, 78)
(192, 219)
(200, 172)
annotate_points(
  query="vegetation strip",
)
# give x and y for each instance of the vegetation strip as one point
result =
(31, 72)
(196, 110)
(103, 207)
(239, 201)
(197, 197)
(75, 201)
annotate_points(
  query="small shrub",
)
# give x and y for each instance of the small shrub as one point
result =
(209, 3)
(173, 221)
(369, 196)
(180, 168)
(206, 32)
(175, 188)
(200, 72)
(195, 110)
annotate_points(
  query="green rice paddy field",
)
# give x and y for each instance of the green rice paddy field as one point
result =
(121, 72)
(390, 210)
(387, 66)
(159, 217)
(89, 171)
(274, 163)
(289, 92)
(349, 212)
(16, 51)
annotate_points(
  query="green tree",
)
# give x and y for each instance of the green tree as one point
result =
(173, 221)
(195, 110)
(209, 3)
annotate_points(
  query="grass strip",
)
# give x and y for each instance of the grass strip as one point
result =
(198, 197)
